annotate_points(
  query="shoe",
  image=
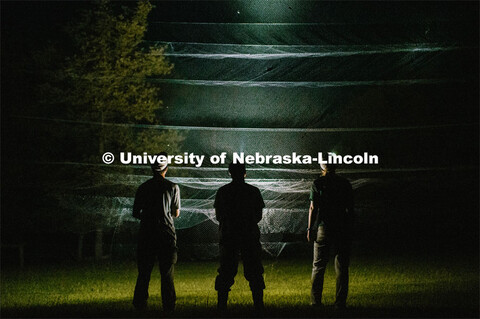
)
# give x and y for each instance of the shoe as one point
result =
(339, 307)
(222, 301)
(168, 312)
(140, 306)
(257, 296)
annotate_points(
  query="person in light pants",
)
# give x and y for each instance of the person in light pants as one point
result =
(330, 226)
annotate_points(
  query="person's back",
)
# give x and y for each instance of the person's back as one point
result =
(155, 197)
(157, 202)
(332, 195)
(237, 205)
(238, 209)
(330, 226)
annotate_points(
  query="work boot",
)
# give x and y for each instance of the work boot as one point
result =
(168, 311)
(140, 306)
(340, 307)
(258, 301)
(222, 300)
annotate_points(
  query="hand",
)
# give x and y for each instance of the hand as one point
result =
(308, 235)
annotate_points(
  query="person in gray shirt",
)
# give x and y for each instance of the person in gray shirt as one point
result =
(330, 226)
(157, 203)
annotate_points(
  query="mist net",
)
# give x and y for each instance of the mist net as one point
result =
(302, 77)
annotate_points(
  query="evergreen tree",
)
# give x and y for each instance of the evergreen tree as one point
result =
(98, 74)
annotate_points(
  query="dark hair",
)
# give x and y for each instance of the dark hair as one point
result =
(237, 170)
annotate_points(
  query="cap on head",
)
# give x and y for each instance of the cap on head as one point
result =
(328, 167)
(160, 165)
(237, 170)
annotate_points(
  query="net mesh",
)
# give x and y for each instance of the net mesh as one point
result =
(286, 203)
(316, 79)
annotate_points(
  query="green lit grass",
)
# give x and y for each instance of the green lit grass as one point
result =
(398, 287)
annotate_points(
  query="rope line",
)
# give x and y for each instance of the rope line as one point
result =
(299, 51)
(253, 129)
(295, 84)
(271, 169)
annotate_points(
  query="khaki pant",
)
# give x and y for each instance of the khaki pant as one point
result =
(340, 243)
(250, 252)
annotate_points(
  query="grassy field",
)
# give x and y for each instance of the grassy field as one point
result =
(382, 287)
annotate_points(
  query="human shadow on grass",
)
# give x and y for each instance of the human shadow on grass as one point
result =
(124, 309)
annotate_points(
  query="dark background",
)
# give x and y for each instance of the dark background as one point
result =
(423, 199)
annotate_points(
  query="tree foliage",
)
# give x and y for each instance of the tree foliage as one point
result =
(109, 67)
(98, 74)
(101, 75)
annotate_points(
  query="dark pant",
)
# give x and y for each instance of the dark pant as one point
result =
(252, 265)
(340, 241)
(146, 256)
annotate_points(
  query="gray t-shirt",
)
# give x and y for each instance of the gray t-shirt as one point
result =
(154, 203)
(332, 198)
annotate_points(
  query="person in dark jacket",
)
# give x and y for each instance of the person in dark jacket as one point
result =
(330, 226)
(157, 203)
(238, 209)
